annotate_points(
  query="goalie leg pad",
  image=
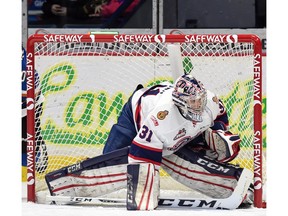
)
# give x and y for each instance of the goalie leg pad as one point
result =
(142, 187)
(214, 179)
(224, 143)
(91, 183)
(92, 177)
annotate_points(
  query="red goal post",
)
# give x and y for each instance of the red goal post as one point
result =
(38, 46)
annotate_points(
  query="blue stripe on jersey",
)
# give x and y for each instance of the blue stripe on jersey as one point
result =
(147, 154)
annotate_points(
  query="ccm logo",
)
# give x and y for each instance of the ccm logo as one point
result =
(74, 168)
(212, 165)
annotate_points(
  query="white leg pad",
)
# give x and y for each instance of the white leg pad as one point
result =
(91, 183)
(213, 179)
(142, 187)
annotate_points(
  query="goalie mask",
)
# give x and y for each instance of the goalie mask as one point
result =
(190, 96)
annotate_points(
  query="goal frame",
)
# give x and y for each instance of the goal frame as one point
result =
(169, 38)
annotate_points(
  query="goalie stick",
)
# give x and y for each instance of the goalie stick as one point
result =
(69, 200)
(167, 202)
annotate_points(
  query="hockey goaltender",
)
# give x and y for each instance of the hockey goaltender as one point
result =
(184, 129)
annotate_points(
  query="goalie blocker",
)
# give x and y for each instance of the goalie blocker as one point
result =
(111, 172)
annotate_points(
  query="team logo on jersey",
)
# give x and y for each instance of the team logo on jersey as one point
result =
(180, 143)
(215, 99)
(162, 114)
(180, 134)
(154, 120)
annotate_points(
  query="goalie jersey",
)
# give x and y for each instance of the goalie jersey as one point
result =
(161, 128)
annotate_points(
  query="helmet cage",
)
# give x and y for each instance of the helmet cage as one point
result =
(189, 95)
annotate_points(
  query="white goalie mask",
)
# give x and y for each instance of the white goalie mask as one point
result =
(190, 96)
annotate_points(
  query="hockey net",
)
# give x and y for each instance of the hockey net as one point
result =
(86, 79)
